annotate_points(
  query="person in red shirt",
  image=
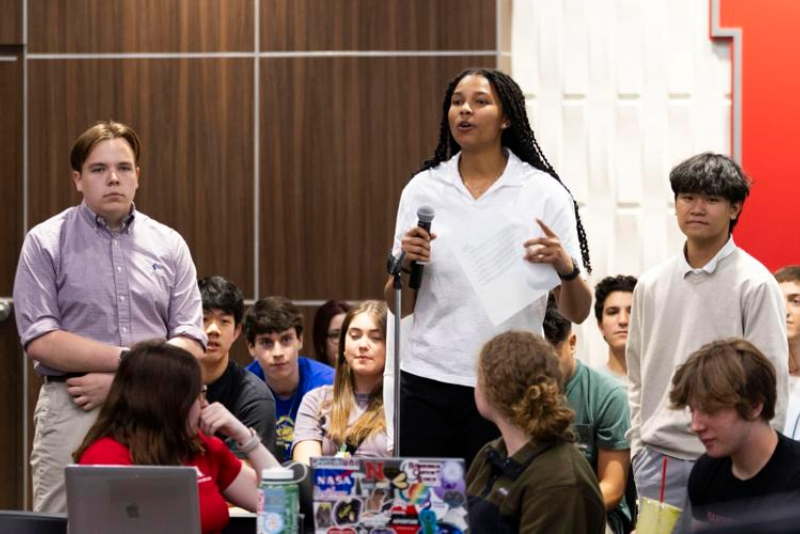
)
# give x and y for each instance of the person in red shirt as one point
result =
(156, 414)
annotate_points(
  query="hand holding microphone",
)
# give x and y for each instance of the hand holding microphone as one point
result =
(417, 244)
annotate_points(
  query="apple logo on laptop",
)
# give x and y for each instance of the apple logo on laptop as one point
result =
(132, 510)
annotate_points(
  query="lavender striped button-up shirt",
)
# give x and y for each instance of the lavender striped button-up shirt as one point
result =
(118, 288)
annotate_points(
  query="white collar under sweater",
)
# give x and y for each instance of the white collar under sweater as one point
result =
(711, 266)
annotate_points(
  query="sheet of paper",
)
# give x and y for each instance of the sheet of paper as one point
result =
(490, 252)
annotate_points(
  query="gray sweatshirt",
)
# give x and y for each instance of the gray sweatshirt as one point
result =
(677, 309)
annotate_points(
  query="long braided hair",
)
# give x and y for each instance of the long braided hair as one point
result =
(518, 137)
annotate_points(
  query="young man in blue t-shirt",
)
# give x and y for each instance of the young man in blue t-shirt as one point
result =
(274, 331)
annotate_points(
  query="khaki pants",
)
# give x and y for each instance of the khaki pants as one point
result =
(60, 426)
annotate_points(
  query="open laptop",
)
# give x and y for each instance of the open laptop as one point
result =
(389, 495)
(132, 499)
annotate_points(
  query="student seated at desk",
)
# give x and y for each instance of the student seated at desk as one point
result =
(156, 414)
(349, 416)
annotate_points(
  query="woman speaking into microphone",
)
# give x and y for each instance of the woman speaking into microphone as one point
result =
(487, 169)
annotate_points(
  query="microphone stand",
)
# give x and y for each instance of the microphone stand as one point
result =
(395, 268)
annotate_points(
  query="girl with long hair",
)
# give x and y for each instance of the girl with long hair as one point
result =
(348, 416)
(533, 478)
(487, 166)
(156, 414)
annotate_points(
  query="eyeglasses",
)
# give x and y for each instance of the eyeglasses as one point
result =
(333, 335)
(203, 393)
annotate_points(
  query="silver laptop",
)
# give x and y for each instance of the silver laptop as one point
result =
(132, 499)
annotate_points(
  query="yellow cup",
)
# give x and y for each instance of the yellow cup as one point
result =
(656, 517)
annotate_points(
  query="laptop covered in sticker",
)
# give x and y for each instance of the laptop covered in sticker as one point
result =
(389, 495)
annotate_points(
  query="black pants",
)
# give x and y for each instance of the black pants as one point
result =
(441, 420)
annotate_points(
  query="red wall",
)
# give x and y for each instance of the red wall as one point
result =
(770, 126)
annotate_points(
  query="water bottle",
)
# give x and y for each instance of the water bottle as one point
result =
(278, 502)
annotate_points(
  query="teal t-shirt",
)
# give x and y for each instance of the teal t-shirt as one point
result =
(602, 415)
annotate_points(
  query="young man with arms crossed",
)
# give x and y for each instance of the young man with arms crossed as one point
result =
(749, 470)
(242, 393)
(789, 280)
(612, 309)
(91, 282)
(274, 331)
(711, 290)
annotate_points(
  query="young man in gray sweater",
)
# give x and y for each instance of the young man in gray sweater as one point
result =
(711, 290)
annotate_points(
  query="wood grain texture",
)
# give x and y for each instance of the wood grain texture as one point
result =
(377, 25)
(11, 157)
(11, 22)
(195, 120)
(106, 26)
(505, 9)
(340, 137)
(11, 403)
(11, 388)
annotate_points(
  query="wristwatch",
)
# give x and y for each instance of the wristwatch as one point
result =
(572, 275)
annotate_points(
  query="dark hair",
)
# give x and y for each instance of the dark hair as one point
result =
(608, 285)
(519, 376)
(711, 174)
(219, 293)
(789, 273)
(322, 319)
(518, 137)
(102, 131)
(556, 327)
(148, 405)
(728, 373)
(272, 315)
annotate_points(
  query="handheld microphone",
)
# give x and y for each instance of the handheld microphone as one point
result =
(425, 215)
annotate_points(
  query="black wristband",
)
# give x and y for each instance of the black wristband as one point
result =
(572, 275)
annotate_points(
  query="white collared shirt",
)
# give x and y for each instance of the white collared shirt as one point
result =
(711, 266)
(450, 324)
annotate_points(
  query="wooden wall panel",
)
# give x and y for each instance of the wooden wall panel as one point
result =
(377, 25)
(340, 138)
(11, 22)
(92, 26)
(195, 119)
(11, 390)
(11, 68)
(11, 415)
